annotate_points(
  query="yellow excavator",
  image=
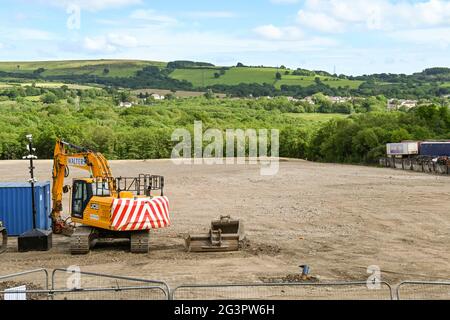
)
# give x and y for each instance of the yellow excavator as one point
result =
(104, 206)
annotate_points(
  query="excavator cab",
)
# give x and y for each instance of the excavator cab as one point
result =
(81, 195)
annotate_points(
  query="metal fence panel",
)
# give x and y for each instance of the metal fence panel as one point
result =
(423, 290)
(32, 280)
(123, 293)
(284, 291)
(115, 287)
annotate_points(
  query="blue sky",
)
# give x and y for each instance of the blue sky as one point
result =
(349, 36)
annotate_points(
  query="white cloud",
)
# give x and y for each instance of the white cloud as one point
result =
(109, 43)
(32, 34)
(272, 32)
(152, 16)
(93, 5)
(210, 14)
(284, 1)
(320, 21)
(341, 15)
(430, 36)
(269, 31)
(98, 44)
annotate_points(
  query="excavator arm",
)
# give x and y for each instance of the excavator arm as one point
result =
(93, 162)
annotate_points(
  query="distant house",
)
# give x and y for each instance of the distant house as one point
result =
(309, 100)
(395, 104)
(157, 96)
(340, 99)
(125, 104)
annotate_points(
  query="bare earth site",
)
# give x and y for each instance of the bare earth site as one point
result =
(338, 219)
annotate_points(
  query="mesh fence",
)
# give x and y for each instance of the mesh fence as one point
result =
(124, 293)
(73, 285)
(114, 287)
(284, 291)
(24, 281)
(424, 291)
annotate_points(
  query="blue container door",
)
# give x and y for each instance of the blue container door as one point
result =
(42, 207)
(47, 220)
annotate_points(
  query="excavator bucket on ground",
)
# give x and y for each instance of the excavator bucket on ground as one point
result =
(4, 239)
(225, 235)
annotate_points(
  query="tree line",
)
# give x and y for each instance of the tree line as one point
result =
(92, 118)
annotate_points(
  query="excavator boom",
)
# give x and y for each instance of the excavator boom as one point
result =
(83, 158)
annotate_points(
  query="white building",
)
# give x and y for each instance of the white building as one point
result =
(395, 104)
(125, 104)
(340, 99)
(157, 96)
(309, 99)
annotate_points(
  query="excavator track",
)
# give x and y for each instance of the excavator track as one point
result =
(139, 242)
(81, 240)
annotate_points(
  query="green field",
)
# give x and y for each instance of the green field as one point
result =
(234, 76)
(117, 68)
(318, 117)
(199, 77)
(45, 85)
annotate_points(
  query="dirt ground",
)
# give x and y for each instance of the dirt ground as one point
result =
(337, 219)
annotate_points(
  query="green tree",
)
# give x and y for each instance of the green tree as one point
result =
(49, 97)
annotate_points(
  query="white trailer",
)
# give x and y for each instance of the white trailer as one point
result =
(402, 149)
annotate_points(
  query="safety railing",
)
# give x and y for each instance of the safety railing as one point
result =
(423, 290)
(118, 287)
(285, 291)
(68, 284)
(37, 279)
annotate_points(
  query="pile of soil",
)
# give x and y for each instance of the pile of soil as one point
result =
(259, 248)
(290, 278)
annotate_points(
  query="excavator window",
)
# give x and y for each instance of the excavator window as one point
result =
(82, 193)
(101, 189)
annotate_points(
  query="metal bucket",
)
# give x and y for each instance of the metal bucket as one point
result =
(224, 235)
(229, 226)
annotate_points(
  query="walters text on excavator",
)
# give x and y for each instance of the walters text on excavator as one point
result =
(102, 206)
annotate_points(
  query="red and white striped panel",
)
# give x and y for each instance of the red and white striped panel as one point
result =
(140, 214)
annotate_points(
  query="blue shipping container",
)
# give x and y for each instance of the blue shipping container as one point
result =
(435, 149)
(16, 210)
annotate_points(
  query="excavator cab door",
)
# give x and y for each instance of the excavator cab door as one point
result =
(81, 195)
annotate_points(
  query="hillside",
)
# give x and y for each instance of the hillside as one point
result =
(238, 81)
(115, 68)
(199, 77)
(203, 77)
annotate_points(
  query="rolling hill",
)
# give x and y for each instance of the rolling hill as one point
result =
(199, 77)
(203, 77)
(116, 68)
(236, 80)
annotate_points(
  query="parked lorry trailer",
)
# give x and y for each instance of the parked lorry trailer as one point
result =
(421, 156)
